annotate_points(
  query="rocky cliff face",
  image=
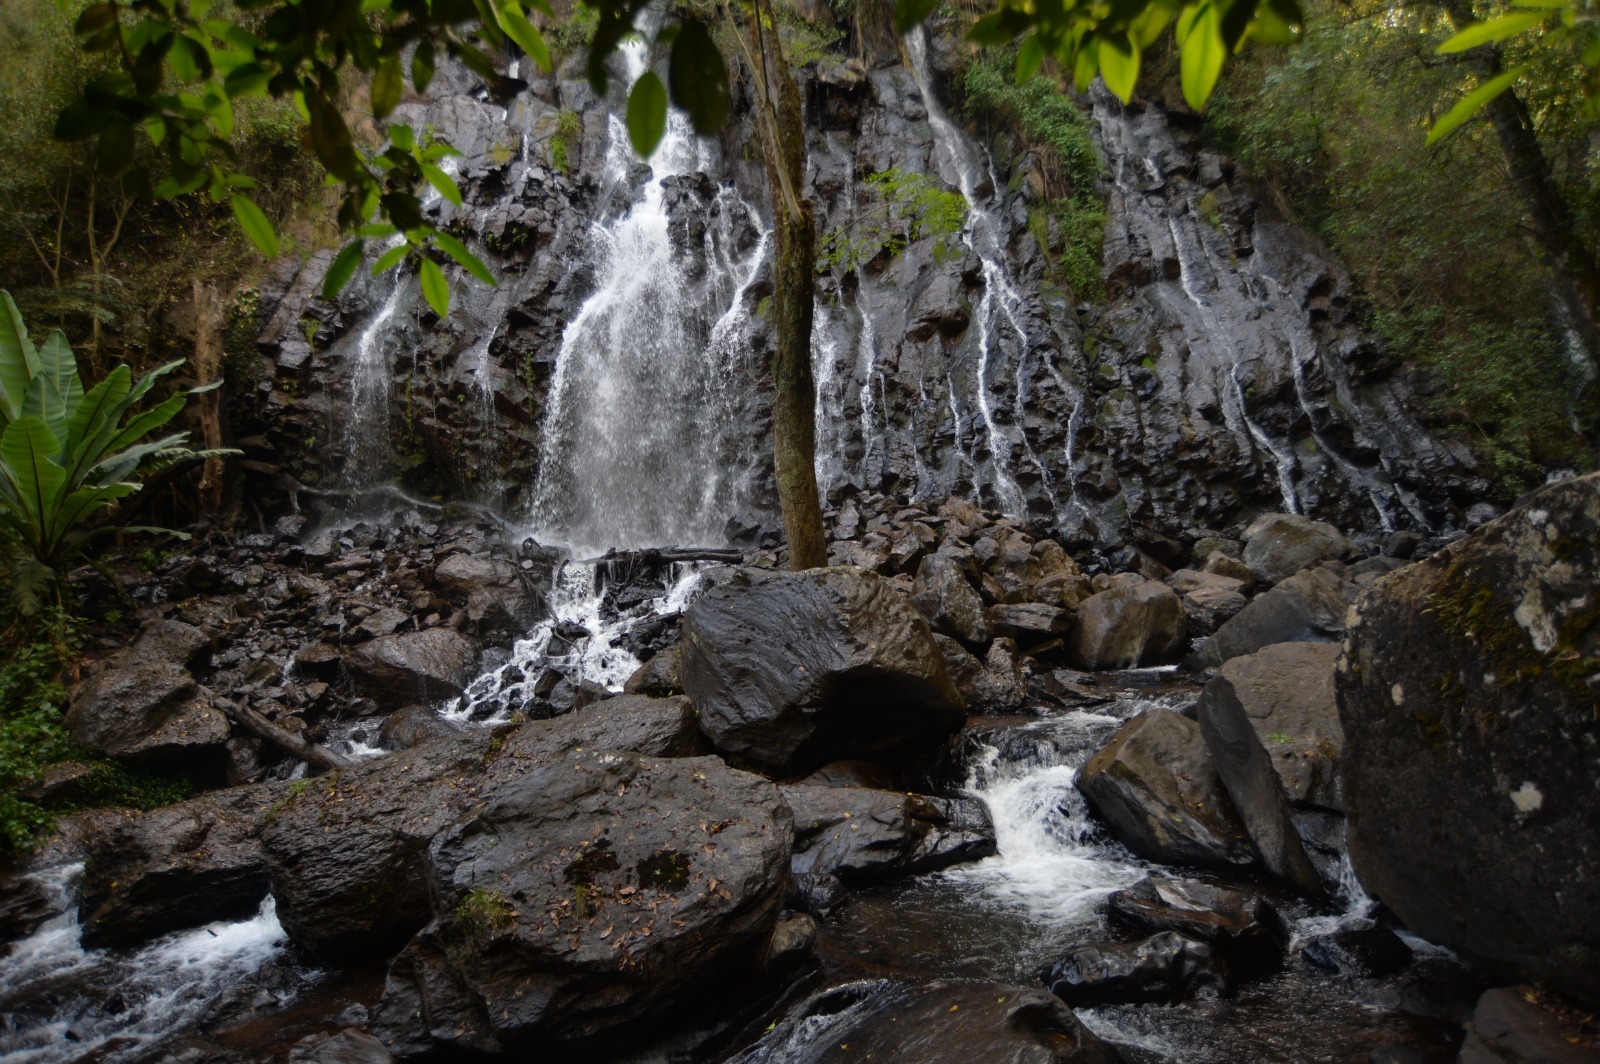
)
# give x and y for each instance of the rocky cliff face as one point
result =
(1225, 374)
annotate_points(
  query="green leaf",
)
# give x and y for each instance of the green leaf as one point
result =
(387, 85)
(342, 268)
(255, 224)
(992, 29)
(19, 360)
(402, 136)
(443, 182)
(1119, 66)
(422, 66)
(101, 404)
(909, 14)
(435, 289)
(516, 26)
(390, 259)
(647, 113)
(469, 262)
(1497, 29)
(330, 137)
(1203, 53)
(1473, 102)
(27, 450)
(699, 78)
(57, 389)
(1030, 56)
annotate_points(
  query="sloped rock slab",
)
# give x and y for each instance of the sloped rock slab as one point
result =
(860, 833)
(793, 670)
(590, 895)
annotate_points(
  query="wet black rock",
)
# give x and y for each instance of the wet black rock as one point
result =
(858, 833)
(790, 945)
(1242, 924)
(1165, 969)
(1138, 623)
(1251, 780)
(817, 893)
(592, 894)
(349, 1046)
(346, 851)
(178, 866)
(428, 666)
(1308, 607)
(792, 670)
(996, 1023)
(1286, 692)
(944, 593)
(1372, 952)
(1155, 785)
(1468, 704)
(1509, 1028)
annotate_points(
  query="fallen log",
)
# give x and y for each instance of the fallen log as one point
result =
(287, 741)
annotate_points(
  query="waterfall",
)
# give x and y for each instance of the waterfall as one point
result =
(998, 315)
(635, 449)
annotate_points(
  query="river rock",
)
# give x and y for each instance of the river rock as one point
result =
(1468, 701)
(147, 713)
(816, 893)
(858, 833)
(410, 725)
(1308, 607)
(178, 866)
(1372, 952)
(961, 1023)
(657, 677)
(946, 597)
(1133, 624)
(790, 945)
(1251, 780)
(345, 851)
(1165, 968)
(433, 665)
(1508, 1028)
(1276, 546)
(1227, 565)
(1155, 785)
(792, 670)
(1030, 622)
(1286, 692)
(591, 895)
(349, 1046)
(1243, 925)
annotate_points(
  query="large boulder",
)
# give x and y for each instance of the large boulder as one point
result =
(1276, 546)
(591, 895)
(1253, 786)
(1468, 698)
(178, 866)
(860, 833)
(1510, 1026)
(1166, 968)
(145, 707)
(1286, 693)
(959, 1023)
(792, 670)
(1243, 925)
(1139, 623)
(493, 592)
(945, 595)
(1155, 784)
(1308, 607)
(433, 665)
(346, 851)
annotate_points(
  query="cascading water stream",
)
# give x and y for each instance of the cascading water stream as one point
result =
(998, 310)
(635, 449)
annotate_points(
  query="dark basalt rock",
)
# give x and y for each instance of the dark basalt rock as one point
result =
(938, 1024)
(1165, 968)
(1251, 780)
(179, 866)
(428, 666)
(1372, 952)
(945, 595)
(592, 894)
(1241, 924)
(1155, 785)
(817, 893)
(1308, 607)
(792, 670)
(1508, 1028)
(1139, 623)
(346, 851)
(1468, 703)
(856, 833)
(1279, 545)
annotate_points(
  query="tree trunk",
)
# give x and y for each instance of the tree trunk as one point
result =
(208, 340)
(794, 278)
(1577, 275)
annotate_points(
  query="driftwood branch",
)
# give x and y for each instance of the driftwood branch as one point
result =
(288, 742)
